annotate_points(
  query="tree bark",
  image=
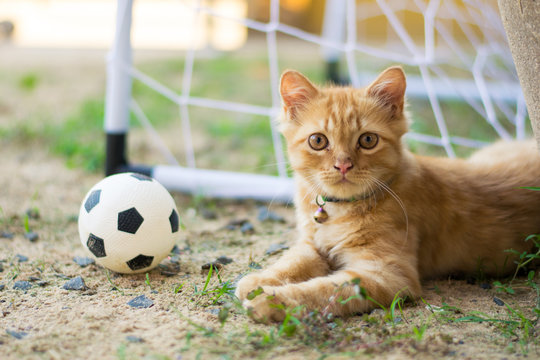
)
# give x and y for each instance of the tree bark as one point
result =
(521, 19)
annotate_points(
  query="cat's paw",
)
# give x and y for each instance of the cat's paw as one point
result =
(264, 305)
(251, 282)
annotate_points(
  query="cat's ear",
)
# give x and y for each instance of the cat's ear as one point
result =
(389, 88)
(296, 91)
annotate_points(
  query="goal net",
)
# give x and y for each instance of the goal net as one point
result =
(463, 90)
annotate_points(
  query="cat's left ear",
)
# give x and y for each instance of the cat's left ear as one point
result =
(296, 92)
(389, 88)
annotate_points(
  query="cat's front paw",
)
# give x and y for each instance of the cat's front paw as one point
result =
(264, 305)
(252, 282)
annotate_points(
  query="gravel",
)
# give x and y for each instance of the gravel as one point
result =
(140, 302)
(77, 283)
(83, 261)
(22, 285)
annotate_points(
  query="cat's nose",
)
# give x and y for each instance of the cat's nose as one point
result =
(343, 166)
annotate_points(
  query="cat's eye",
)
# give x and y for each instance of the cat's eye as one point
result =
(318, 141)
(368, 140)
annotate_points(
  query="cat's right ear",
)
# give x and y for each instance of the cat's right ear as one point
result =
(296, 91)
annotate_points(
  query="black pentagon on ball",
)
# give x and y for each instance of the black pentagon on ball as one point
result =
(129, 220)
(140, 262)
(96, 245)
(173, 219)
(92, 201)
(141, 177)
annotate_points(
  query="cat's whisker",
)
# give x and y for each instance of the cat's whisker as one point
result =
(314, 186)
(398, 200)
(372, 189)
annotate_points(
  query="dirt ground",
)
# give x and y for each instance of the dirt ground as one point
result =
(48, 322)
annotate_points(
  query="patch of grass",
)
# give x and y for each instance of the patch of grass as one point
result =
(523, 260)
(114, 286)
(21, 132)
(212, 294)
(80, 138)
(516, 325)
(178, 288)
(29, 81)
(147, 281)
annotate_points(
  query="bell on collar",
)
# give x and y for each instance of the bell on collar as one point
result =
(320, 215)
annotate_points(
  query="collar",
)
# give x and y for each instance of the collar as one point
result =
(364, 196)
(351, 199)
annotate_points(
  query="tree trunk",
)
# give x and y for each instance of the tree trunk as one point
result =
(521, 19)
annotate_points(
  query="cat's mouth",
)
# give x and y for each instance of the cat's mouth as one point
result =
(342, 184)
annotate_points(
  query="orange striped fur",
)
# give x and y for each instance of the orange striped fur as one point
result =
(413, 217)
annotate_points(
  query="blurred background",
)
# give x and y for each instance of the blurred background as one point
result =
(166, 25)
(463, 91)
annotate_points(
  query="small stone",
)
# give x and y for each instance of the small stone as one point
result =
(140, 302)
(21, 258)
(276, 248)
(169, 269)
(42, 283)
(6, 234)
(33, 278)
(215, 266)
(134, 339)
(213, 311)
(236, 223)
(22, 285)
(498, 301)
(377, 312)
(2, 287)
(77, 283)
(485, 286)
(224, 260)
(175, 250)
(208, 214)
(247, 228)
(33, 213)
(267, 215)
(254, 265)
(17, 334)
(31, 236)
(83, 261)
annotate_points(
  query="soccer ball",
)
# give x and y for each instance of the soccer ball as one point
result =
(128, 222)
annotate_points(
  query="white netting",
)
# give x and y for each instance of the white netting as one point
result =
(454, 52)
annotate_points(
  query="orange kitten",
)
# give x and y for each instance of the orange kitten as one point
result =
(384, 215)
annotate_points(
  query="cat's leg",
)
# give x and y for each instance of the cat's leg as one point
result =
(382, 279)
(300, 263)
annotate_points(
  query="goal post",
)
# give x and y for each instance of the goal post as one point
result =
(459, 53)
(211, 183)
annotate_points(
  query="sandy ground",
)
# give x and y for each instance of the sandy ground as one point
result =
(49, 322)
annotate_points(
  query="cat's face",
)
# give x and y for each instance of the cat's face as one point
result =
(342, 141)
